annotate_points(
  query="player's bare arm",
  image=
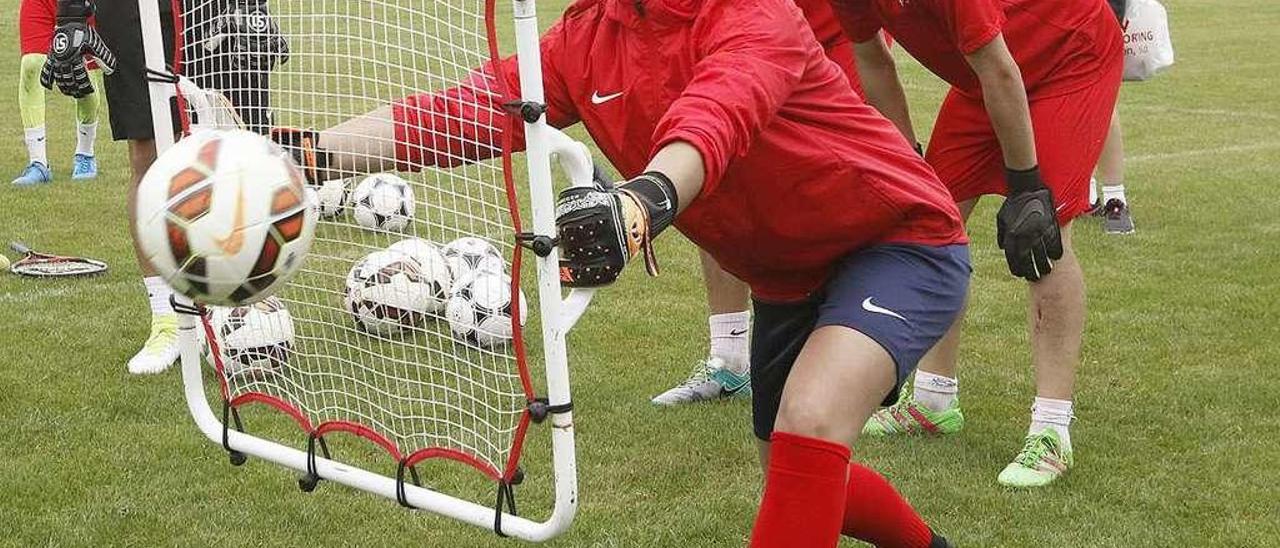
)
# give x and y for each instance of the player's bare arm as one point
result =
(1027, 227)
(879, 75)
(1005, 97)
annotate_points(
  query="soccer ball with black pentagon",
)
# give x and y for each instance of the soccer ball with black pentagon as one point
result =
(387, 293)
(383, 202)
(223, 217)
(469, 254)
(255, 339)
(480, 308)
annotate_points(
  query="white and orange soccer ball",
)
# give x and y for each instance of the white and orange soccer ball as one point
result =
(223, 217)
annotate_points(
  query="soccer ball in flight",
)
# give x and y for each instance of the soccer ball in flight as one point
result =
(223, 217)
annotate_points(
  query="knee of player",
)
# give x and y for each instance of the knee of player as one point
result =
(797, 416)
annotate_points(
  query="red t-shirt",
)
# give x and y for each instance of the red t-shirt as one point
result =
(1060, 45)
(799, 171)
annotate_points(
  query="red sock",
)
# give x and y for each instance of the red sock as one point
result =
(874, 512)
(804, 491)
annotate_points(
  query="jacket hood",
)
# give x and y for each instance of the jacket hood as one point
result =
(632, 12)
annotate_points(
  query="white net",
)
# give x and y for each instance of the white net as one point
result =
(418, 385)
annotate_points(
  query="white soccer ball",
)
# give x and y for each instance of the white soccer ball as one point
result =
(432, 265)
(223, 217)
(480, 308)
(333, 198)
(387, 293)
(253, 339)
(383, 201)
(469, 254)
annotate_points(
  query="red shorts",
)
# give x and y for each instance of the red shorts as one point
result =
(1070, 130)
(36, 19)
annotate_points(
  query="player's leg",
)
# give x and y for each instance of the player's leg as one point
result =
(854, 360)
(1068, 147)
(31, 107)
(1116, 217)
(129, 103)
(84, 165)
(724, 374)
(964, 151)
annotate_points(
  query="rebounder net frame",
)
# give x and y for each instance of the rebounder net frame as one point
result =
(421, 393)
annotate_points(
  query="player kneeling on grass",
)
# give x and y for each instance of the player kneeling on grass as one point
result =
(732, 126)
(1033, 87)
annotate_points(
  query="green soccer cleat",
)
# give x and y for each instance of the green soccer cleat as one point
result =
(1042, 460)
(161, 348)
(909, 417)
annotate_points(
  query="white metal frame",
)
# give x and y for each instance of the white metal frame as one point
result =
(543, 142)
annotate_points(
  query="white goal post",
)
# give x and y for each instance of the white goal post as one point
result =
(468, 404)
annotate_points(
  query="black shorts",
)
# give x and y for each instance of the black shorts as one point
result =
(128, 94)
(1119, 7)
(904, 297)
(128, 98)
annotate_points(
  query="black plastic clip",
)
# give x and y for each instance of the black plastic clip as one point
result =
(541, 408)
(529, 111)
(311, 479)
(182, 308)
(413, 476)
(237, 458)
(507, 494)
(539, 244)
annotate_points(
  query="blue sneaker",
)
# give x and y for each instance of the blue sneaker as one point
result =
(35, 174)
(84, 167)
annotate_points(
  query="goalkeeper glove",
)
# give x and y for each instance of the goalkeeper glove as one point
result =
(249, 37)
(73, 38)
(1027, 226)
(601, 229)
(303, 146)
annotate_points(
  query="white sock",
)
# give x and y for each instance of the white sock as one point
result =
(729, 340)
(1093, 190)
(36, 145)
(936, 392)
(86, 135)
(1055, 414)
(158, 293)
(1110, 192)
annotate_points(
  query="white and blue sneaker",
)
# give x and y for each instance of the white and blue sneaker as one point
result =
(35, 174)
(84, 167)
(710, 380)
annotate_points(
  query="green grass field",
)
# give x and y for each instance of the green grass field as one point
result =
(1177, 402)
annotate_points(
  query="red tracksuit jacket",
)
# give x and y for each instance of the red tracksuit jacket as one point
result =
(799, 171)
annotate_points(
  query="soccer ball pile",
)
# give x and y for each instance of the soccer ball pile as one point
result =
(396, 290)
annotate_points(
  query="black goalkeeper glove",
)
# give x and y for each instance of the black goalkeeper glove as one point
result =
(73, 38)
(303, 146)
(1027, 226)
(601, 229)
(249, 37)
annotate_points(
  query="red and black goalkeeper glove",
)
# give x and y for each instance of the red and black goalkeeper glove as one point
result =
(1027, 226)
(601, 229)
(303, 146)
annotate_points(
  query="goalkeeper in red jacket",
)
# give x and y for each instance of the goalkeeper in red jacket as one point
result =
(734, 128)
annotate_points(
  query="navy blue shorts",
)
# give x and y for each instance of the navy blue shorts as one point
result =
(904, 297)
